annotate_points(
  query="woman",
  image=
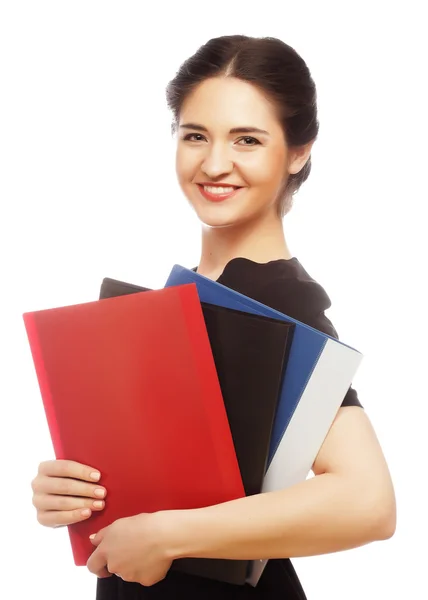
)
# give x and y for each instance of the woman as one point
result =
(246, 119)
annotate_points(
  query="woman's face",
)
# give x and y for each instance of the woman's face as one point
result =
(214, 148)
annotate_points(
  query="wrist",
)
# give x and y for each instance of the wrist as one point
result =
(174, 532)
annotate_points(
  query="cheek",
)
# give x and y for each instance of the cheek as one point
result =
(180, 167)
(266, 172)
(184, 166)
(263, 175)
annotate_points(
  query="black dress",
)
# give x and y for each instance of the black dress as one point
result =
(287, 287)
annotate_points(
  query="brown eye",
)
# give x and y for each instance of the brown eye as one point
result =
(192, 135)
(250, 139)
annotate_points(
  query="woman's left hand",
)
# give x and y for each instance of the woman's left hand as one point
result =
(131, 548)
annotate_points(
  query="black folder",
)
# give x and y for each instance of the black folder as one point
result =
(250, 353)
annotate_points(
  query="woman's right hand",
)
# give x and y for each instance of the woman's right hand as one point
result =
(66, 492)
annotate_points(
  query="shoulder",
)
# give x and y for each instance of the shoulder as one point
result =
(290, 289)
(286, 286)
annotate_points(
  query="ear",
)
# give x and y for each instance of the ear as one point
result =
(298, 157)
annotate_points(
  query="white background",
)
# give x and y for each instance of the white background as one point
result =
(88, 190)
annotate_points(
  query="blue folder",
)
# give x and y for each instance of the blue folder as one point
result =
(319, 373)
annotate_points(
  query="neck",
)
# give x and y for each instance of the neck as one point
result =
(262, 240)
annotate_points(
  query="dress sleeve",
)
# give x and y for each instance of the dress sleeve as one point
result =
(322, 323)
(305, 301)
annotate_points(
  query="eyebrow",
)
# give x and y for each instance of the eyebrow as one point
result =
(197, 127)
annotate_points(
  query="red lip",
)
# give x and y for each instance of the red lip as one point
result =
(217, 197)
(210, 184)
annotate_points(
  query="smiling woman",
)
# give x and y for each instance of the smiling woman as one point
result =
(252, 156)
(245, 116)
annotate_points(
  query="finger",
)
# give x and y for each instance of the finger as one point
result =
(67, 487)
(97, 564)
(55, 518)
(44, 502)
(104, 573)
(96, 538)
(69, 468)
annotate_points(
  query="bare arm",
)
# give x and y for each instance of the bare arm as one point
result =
(348, 503)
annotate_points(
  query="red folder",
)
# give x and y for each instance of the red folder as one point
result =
(129, 387)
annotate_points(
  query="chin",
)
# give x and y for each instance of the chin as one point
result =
(227, 214)
(218, 216)
(221, 219)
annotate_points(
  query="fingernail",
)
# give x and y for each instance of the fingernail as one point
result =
(95, 476)
(86, 512)
(91, 537)
(99, 492)
(98, 504)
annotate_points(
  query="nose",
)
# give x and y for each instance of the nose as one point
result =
(216, 163)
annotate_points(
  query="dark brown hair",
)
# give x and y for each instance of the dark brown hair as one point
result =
(278, 72)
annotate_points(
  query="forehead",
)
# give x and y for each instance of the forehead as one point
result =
(227, 100)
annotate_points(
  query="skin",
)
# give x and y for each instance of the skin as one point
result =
(247, 225)
(350, 501)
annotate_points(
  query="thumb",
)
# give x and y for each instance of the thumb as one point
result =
(97, 538)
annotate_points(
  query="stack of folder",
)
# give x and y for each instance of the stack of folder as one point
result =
(185, 397)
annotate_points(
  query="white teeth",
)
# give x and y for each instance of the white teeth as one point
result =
(218, 190)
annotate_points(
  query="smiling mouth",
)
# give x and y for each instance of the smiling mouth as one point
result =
(218, 193)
